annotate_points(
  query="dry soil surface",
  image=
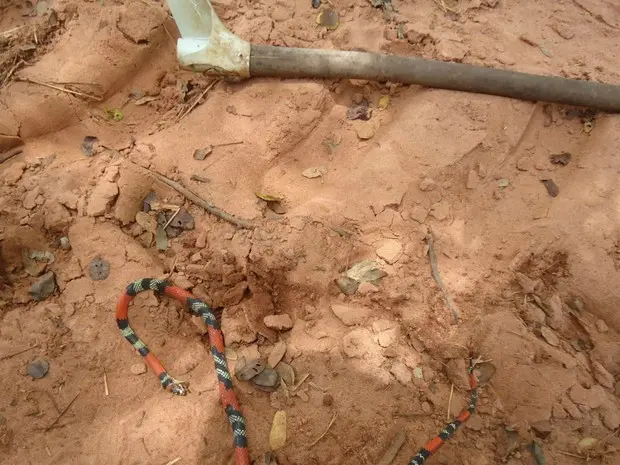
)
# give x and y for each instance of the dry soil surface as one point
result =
(528, 249)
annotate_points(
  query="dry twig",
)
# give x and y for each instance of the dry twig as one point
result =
(191, 107)
(240, 223)
(105, 383)
(391, 451)
(173, 461)
(450, 401)
(61, 89)
(14, 354)
(432, 257)
(62, 413)
(325, 432)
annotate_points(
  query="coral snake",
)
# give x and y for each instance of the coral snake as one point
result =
(229, 400)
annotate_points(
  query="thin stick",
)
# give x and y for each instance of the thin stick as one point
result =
(243, 224)
(62, 89)
(325, 432)
(195, 177)
(11, 71)
(105, 383)
(391, 451)
(572, 455)
(62, 413)
(450, 401)
(5, 357)
(191, 107)
(11, 31)
(172, 218)
(224, 144)
(172, 462)
(301, 381)
(435, 272)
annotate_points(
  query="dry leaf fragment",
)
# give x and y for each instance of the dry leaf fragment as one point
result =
(328, 19)
(384, 102)
(148, 222)
(277, 436)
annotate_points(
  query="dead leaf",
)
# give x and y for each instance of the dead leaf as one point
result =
(561, 158)
(587, 444)
(276, 354)
(201, 154)
(384, 102)
(268, 197)
(361, 111)
(552, 188)
(277, 436)
(148, 222)
(161, 239)
(328, 19)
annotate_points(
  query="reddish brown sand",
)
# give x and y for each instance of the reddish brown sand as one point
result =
(467, 166)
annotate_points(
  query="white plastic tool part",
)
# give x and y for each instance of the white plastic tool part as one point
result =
(206, 45)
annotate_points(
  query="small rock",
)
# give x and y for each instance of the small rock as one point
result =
(558, 412)
(64, 243)
(555, 314)
(314, 172)
(355, 343)
(347, 285)
(562, 158)
(365, 131)
(571, 408)
(390, 251)
(611, 417)
(591, 398)
(549, 336)
(286, 372)
(418, 213)
(201, 240)
(472, 180)
(268, 379)
(450, 50)
(426, 408)
(427, 185)
(68, 199)
(30, 200)
(563, 30)
(533, 314)
(401, 372)
(277, 352)
(552, 189)
(440, 210)
(602, 376)
(38, 368)
(248, 370)
(601, 326)
(524, 164)
(101, 197)
(278, 322)
(387, 338)
(542, 429)
(475, 423)
(528, 285)
(44, 287)
(98, 269)
(138, 368)
(456, 370)
(367, 288)
(351, 315)
(328, 400)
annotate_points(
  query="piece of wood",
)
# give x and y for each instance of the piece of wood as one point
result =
(297, 63)
(390, 454)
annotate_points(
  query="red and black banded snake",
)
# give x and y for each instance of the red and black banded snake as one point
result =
(227, 395)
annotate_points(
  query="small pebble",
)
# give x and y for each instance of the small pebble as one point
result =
(38, 368)
(268, 379)
(601, 326)
(98, 269)
(138, 368)
(64, 243)
(328, 400)
(248, 370)
(44, 287)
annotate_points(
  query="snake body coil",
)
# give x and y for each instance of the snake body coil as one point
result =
(229, 400)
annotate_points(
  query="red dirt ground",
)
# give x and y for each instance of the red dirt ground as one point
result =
(469, 167)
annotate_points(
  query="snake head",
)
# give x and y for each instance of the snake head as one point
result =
(178, 388)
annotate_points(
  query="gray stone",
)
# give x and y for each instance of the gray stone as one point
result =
(44, 287)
